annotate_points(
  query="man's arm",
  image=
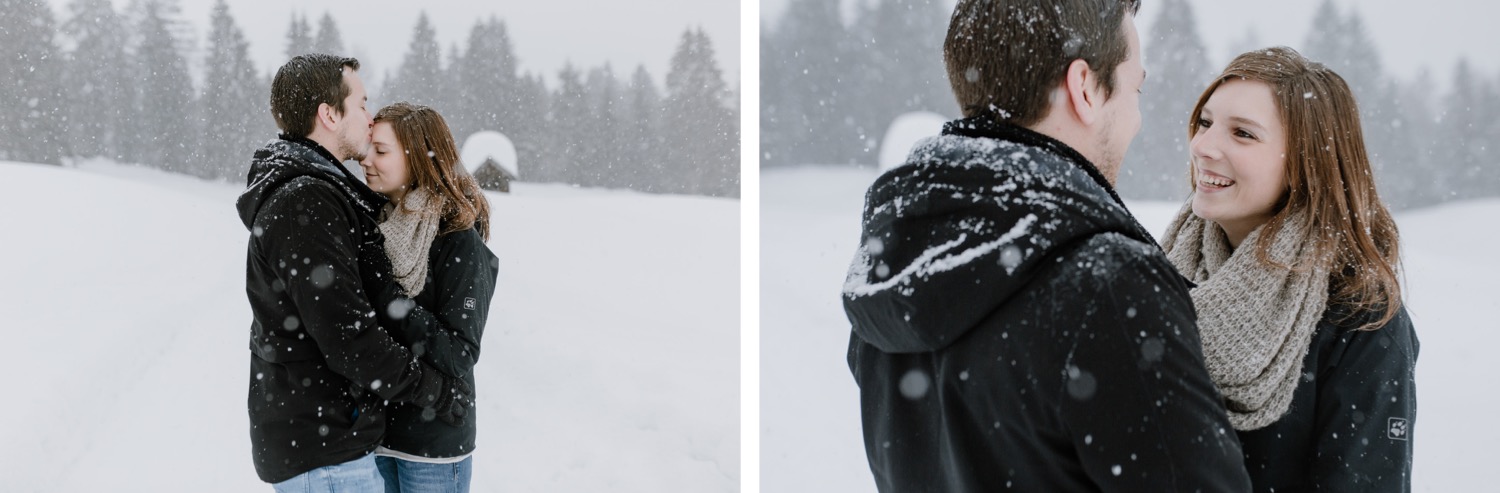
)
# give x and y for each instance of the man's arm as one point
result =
(1143, 413)
(309, 237)
(448, 334)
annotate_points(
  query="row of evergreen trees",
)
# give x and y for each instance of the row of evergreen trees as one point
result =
(830, 89)
(124, 91)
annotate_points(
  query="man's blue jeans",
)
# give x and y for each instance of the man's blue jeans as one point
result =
(355, 476)
(404, 476)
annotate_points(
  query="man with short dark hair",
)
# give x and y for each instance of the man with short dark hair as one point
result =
(321, 366)
(1014, 327)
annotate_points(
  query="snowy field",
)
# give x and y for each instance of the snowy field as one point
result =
(810, 431)
(610, 362)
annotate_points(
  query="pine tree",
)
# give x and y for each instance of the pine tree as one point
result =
(298, 37)
(231, 101)
(1419, 109)
(328, 40)
(642, 152)
(530, 133)
(601, 161)
(1156, 166)
(898, 54)
(808, 115)
(1341, 43)
(775, 99)
(1462, 149)
(449, 101)
(1326, 40)
(702, 136)
(31, 100)
(1396, 169)
(419, 80)
(1486, 173)
(98, 80)
(570, 114)
(487, 79)
(164, 103)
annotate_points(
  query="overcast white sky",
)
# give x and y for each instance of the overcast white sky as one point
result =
(545, 33)
(1409, 35)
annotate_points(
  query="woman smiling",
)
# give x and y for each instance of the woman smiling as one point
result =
(1295, 260)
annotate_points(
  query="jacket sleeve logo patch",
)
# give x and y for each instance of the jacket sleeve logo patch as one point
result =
(1396, 429)
(469, 303)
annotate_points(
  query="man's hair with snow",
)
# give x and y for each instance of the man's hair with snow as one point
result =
(304, 83)
(1004, 57)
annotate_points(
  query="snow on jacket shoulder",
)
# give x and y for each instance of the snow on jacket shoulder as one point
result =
(1014, 327)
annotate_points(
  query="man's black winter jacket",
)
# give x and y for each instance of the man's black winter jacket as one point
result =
(320, 364)
(1015, 329)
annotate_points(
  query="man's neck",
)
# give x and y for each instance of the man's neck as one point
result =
(330, 143)
(320, 149)
(1075, 137)
(1061, 133)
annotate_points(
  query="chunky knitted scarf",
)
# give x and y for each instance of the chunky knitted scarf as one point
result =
(1256, 320)
(409, 229)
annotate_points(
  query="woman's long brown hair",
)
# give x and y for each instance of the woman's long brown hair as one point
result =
(1328, 177)
(432, 156)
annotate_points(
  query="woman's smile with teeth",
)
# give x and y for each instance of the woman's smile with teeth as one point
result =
(1215, 180)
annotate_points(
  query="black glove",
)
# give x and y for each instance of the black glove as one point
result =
(442, 396)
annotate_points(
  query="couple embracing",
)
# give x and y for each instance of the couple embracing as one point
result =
(1016, 328)
(369, 298)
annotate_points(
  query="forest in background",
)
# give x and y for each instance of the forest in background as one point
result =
(829, 90)
(117, 85)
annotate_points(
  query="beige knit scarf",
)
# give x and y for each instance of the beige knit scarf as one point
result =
(1256, 320)
(409, 230)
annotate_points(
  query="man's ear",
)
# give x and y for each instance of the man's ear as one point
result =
(327, 117)
(1085, 99)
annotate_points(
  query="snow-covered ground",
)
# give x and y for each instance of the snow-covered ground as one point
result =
(810, 431)
(611, 359)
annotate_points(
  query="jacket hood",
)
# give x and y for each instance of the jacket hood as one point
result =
(285, 158)
(961, 228)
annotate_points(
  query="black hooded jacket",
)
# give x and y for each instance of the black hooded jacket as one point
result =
(320, 364)
(1016, 329)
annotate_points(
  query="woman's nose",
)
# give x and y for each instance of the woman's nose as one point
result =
(1205, 145)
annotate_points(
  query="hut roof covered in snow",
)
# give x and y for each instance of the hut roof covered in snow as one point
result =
(489, 145)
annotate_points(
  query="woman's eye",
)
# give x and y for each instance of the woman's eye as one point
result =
(1204, 123)
(1244, 134)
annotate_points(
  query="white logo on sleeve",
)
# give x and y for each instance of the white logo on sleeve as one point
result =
(469, 303)
(1396, 429)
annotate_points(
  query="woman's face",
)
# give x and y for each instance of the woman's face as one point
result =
(1239, 158)
(385, 166)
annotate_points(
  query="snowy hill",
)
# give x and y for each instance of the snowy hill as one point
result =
(610, 360)
(810, 422)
